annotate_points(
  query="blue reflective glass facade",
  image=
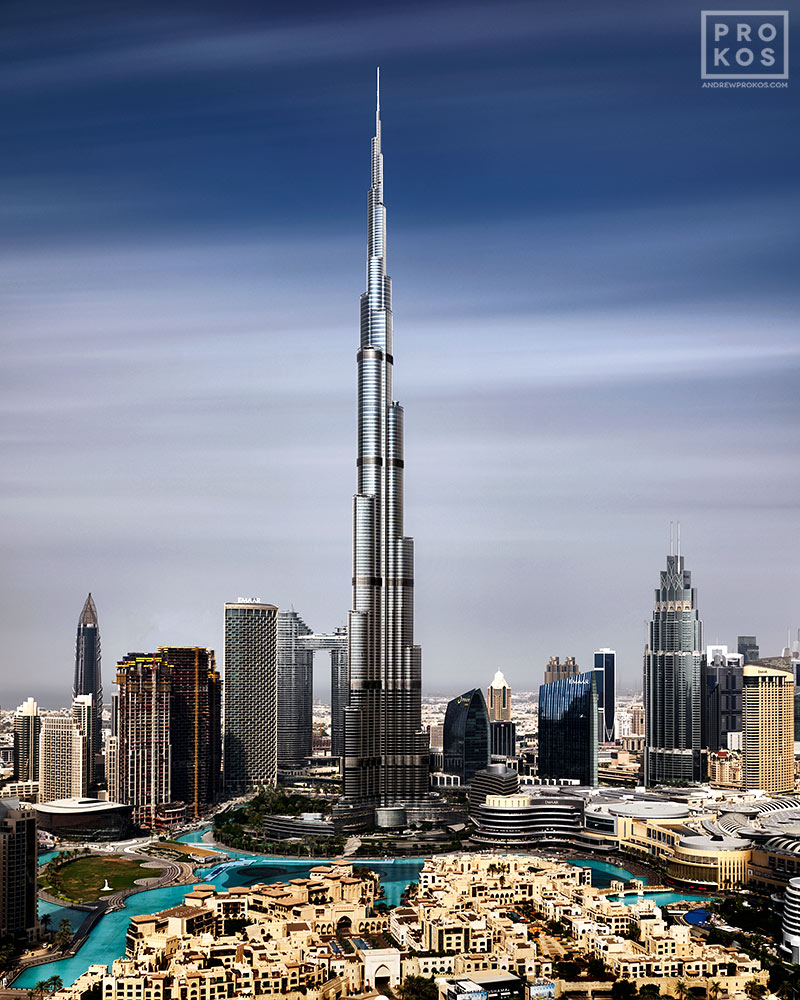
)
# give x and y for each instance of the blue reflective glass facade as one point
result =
(466, 735)
(568, 729)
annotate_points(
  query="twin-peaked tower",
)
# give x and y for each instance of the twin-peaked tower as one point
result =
(385, 753)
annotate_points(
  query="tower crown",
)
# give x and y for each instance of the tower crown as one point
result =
(89, 613)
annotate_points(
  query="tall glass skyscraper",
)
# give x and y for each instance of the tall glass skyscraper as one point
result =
(605, 668)
(466, 735)
(295, 690)
(87, 679)
(386, 752)
(672, 681)
(568, 729)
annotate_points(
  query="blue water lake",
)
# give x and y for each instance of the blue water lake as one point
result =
(603, 874)
(106, 941)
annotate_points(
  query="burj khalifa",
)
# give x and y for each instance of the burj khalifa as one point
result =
(385, 767)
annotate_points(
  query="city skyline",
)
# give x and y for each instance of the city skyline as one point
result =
(175, 184)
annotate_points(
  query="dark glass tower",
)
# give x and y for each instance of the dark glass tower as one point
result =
(568, 729)
(195, 726)
(672, 681)
(295, 690)
(605, 667)
(466, 735)
(386, 752)
(87, 670)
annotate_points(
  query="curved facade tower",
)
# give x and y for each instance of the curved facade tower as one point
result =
(386, 754)
(673, 750)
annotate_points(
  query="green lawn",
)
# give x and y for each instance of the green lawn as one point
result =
(82, 880)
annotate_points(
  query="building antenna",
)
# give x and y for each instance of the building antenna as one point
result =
(378, 91)
(679, 539)
(671, 539)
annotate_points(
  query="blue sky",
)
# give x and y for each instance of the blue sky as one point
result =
(596, 324)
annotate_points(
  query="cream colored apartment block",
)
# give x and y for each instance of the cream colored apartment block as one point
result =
(768, 729)
(61, 759)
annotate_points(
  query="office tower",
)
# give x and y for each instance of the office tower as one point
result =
(27, 726)
(251, 692)
(557, 671)
(436, 736)
(673, 750)
(637, 719)
(568, 729)
(605, 668)
(340, 687)
(18, 864)
(87, 678)
(112, 753)
(386, 752)
(143, 735)
(748, 647)
(503, 739)
(195, 726)
(85, 719)
(62, 750)
(498, 699)
(466, 735)
(722, 696)
(295, 691)
(768, 729)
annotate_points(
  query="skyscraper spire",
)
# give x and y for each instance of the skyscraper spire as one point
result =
(89, 612)
(386, 753)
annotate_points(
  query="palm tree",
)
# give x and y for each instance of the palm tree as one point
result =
(54, 983)
(46, 920)
(682, 990)
(714, 990)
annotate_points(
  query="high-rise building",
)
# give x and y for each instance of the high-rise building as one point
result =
(673, 742)
(568, 729)
(722, 696)
(85, 719)
(195, 726)
(251, 692)
(336, 644)
(557, 671)
(466, 735)
(605, 668)
(747, 646)
(18, 864)
(498, 699)
(638, 719)
(27, 727)
(503, 739)
(768, 733)
(62, 749)
(295, 691)
(386, 751)
(87, 679)
(143, 734)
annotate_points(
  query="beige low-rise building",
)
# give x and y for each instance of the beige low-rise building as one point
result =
(320, 938)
